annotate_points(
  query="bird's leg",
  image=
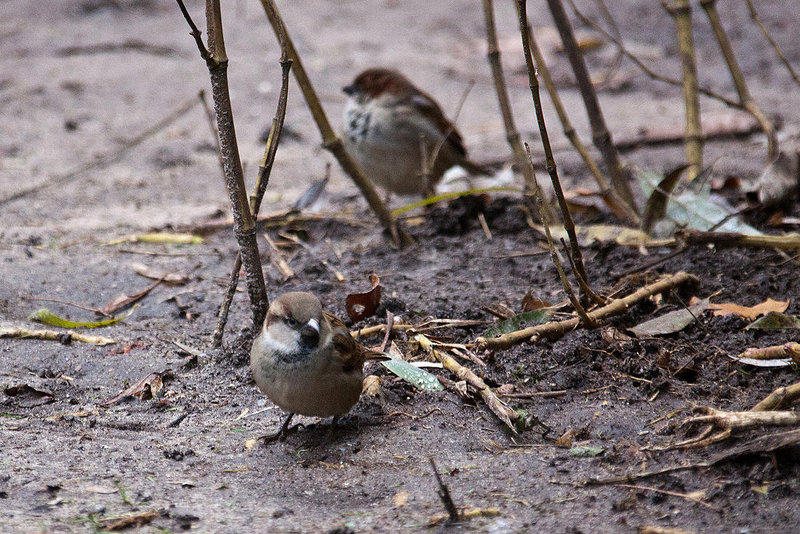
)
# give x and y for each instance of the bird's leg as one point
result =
(334, 421)
(282, 433)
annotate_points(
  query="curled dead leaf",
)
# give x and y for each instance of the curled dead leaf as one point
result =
(362, 305)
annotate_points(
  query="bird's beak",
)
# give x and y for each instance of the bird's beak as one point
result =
(310, 332)
(349, 90)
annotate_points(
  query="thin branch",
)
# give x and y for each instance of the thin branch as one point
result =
(262, 180)
(601, 136)
(243, 222)
(681, 12)
(512, 134)
(748, 103)
(552, 170)
(621, 208)
(755, 18)
(644, 68)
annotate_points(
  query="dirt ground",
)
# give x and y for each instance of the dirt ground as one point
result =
(68, 462)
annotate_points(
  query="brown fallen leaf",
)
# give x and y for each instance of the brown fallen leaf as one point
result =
(530, 303)
(145, 389)
(751, 312)
(154, 274)
(28, 396)
(124, 299)
(362, 305)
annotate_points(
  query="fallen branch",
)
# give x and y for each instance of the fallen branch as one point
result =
(727, 422)
(64, 337)
(498, 407)
(783, 397)
(732, 239)
(559, 328)
(109, 157)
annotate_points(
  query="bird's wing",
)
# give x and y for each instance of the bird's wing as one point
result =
(352, 352)
(431, 110)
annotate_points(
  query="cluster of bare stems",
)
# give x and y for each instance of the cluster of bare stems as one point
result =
(591, 308)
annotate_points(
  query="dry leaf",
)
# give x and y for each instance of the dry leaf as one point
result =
(149, 272)
(400, 499)
(729, 308)
(145, 389)
(566, 439)
(530, 303)
(126, 300)
(362, 305)
(372, 386)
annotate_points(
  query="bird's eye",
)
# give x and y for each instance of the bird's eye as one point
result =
(291, 321)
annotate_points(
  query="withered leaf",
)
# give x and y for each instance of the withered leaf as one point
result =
(154, 274)
(145, 389)
(28, 396)
(362, 305)
(530, 303)
(749, 312)
(124, 299)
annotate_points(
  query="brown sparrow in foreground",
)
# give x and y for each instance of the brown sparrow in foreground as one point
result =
(386, 120)
(306, 361)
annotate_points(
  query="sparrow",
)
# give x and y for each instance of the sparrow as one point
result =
(387, 120)
(305, 360)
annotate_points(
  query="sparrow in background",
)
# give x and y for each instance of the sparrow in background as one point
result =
(386, 120)
(306, 361)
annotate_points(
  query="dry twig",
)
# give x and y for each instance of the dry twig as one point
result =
(498, 407)
(559, 328)
(681, 12)
(601, 136)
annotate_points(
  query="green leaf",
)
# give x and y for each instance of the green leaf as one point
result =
(586, 452)
(516, 322)
(45, 316)
(417, 377)
(777, 321)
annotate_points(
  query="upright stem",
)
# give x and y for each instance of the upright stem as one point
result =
(243, 224)
(330, 141)
(745, 97)
(681, 11)
(600, 134)
(610, 195)
(552, 170)
(512, 134)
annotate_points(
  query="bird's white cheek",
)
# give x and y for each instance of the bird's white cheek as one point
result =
(275, 344)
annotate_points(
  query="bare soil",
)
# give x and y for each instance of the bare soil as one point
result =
(67, 461)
